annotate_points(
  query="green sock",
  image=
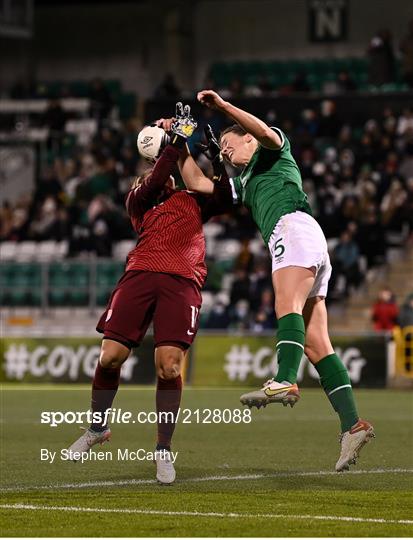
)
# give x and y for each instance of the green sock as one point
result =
(336, 382)
(290, 347)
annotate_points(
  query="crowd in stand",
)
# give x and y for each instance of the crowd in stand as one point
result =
(359, 181)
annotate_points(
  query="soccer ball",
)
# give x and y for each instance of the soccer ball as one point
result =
(151, 141)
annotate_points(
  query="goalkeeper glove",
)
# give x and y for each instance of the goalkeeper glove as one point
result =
(212, 151)
(183, 126)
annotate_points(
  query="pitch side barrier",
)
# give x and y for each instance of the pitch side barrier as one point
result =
(216, 359)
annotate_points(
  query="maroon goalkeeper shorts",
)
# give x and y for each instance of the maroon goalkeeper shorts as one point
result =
(171, 302)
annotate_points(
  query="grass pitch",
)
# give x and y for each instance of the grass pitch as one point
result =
(272, 477)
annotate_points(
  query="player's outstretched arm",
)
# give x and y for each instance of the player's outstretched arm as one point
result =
(253, 125)
(193, 177)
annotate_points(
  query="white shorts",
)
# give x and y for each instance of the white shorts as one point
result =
(298, 240)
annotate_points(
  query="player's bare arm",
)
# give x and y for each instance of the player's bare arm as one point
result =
(193, 177)
(252, 125)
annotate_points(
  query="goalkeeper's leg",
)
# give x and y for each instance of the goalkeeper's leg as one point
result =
(169, 359)
(334, 378)
(104, 387)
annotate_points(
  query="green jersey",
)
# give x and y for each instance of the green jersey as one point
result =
(270, 186)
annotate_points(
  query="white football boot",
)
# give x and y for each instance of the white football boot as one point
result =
(165, 470)
(272, 392)
(352, 442)
(89, 438)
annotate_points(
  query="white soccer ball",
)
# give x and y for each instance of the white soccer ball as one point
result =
(151, 141)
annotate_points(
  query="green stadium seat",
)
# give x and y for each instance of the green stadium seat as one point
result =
(58, 297)
(79, 274)
(78, 297)
(102, 296)
(35, 297)
(115, 88)
(79, 88)
(59, 275)
(127, 105)
(18, 297)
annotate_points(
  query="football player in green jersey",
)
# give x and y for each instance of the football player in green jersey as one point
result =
(270, 186)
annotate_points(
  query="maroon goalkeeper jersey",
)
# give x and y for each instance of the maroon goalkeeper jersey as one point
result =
(169, 223)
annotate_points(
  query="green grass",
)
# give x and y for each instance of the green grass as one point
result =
(276, 446)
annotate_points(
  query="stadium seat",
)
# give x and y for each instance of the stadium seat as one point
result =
(127, 105)
(102, 296)
(46, 251)
(84, 129)
(58, 297)
(121, 249)
(257, 247)
(207, 301)
(78, 297)
(227, 281)
(26, 251)
(227, 249)
(8, 251)
(213, 229)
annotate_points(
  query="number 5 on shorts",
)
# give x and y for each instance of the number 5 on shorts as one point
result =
(278, 248)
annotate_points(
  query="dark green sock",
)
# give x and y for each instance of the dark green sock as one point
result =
(336, 382)
(290, 347)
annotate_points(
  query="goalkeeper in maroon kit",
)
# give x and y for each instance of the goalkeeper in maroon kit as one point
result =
(162, 283)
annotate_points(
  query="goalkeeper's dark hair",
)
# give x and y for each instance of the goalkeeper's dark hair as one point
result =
(235, 128)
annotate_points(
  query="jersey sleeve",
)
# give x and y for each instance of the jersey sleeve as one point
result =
(220, 201)
(142, 197)
(282, 136)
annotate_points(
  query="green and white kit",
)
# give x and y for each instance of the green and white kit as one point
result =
(271, 187)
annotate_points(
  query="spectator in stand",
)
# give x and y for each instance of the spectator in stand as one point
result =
(245, 259)
(300, 83)
(54, 116)
(6, 219)
(345, 83)
(264, 85)
(240, 289)
(371, 237)
(218, 318)
(405, 122)
(345, 262)
(264, 317)
(392, 206)
(329, 124)
(406, 48)
(240, 315)
(406, 312)
(385, 311)
(236, 88)
(168, 89)
(381, 58)
(101, 100)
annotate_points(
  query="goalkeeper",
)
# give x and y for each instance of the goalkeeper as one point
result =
(270, 186)
(162, 283)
